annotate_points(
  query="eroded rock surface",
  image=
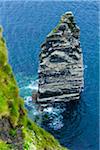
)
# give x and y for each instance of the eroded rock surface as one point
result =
(61, 64)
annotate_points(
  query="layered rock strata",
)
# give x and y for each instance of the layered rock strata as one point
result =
(61, 65)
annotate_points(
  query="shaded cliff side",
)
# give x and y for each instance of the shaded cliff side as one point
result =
(16, 130)
(61, 64)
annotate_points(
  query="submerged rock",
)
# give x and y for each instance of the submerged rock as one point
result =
(61, 65)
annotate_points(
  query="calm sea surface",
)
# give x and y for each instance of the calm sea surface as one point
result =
(26, 25)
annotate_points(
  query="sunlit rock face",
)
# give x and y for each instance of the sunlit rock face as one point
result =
(61, 65)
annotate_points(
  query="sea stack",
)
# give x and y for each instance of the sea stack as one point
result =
(61, 64)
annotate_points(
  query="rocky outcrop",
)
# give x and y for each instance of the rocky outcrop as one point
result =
(17, 131)
(61, 65)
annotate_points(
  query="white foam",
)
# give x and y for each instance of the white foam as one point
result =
(54, 113)
(85, 66)
(55, 117)
(33, 85)
(57, 122)
(49, 109)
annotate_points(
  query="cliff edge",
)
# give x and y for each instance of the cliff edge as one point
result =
(17, 132)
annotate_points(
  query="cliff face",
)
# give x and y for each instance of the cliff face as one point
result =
(61, 66)
(16, 130)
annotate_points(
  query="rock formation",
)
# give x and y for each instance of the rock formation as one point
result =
(61, 65)
(17, 132)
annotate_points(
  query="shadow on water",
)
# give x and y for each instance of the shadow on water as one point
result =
(73, 123)
(67, 123)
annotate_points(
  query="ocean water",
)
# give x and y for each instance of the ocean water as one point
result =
(26, 25)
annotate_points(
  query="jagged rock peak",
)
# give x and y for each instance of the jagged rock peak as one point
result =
(61, 64)
(66, 22)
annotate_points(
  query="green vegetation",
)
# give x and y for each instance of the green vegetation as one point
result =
(4, 146)
(39, 138)
(55, 30)
(12, 109)
(12, 132)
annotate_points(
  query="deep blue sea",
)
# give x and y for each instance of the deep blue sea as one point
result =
(26, 25)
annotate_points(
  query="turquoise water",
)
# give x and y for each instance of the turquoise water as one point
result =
(26, 25)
